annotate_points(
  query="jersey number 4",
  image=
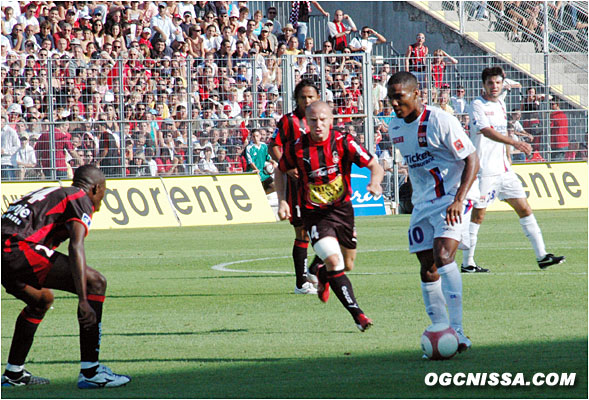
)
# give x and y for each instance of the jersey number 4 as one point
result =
(41, 194)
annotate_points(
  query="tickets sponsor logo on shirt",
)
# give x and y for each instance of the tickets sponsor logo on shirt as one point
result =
(418, 159)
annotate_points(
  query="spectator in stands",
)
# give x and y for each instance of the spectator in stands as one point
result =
(559, 131)
(299, 17)
(366, 41)
(338, 30)
(267, 45)
(458, 102)
(271, 15)
(206, 165)
(24, 158)
(415, 59)
(287, 32)
(444, 102)
(162, 26)
(530, 108)
(10, 145)
(439, 67)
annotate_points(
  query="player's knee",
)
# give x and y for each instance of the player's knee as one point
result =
(96, 282)
(429, 274)
(329, 251)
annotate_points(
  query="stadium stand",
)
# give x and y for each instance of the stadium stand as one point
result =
(144, 89)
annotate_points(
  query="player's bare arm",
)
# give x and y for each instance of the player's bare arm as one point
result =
(283, 207)
(469, 174)
(492, 134)
(376, 175)
(77, 254)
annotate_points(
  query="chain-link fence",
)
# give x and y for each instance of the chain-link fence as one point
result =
(178, 116)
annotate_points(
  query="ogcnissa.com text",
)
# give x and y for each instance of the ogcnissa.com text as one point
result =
(499, 379)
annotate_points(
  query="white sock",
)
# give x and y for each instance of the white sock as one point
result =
(452, 290)
(433, 298)
(88, 364)
(468, 255)
(534, 235)
(14, 368)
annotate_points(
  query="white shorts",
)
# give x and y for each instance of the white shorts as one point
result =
(504, 186)
(428, 221)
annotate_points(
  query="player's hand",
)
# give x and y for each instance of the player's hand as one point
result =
(86, 315)
(454, 213)
(293, 173)
(374, 188)
(283, 210)
(523, 147)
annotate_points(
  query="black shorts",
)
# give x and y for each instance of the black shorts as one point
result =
(26, 263)
(337, 222)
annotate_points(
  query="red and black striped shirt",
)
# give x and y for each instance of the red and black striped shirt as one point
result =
(41, 216)
(324, 168)
(290, 127)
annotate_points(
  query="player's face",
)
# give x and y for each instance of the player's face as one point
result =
(404, 99)
(493, 86)
(320, 120)
(307, 96)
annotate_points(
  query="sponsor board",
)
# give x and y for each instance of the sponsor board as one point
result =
(551, 186)
(363, 202)
(167, 202)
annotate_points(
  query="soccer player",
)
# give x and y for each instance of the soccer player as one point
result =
(256, 154)
(291, 127)
(32, 228)
(323, 159)
(488, 119)
(442, 164)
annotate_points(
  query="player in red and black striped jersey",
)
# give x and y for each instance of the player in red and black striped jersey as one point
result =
(32, 228)
(323, 159)
(291, 127)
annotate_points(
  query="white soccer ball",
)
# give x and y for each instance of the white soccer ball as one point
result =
(439, 342)
(268, 168)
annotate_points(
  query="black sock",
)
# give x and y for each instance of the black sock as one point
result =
(322, 274)
(299, 255)
(90, 338)
(89, 372)
(315, 264)
(342, 287)
(24, 334)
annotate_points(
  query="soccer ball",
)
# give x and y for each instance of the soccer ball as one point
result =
(268, 168)
(439, 342)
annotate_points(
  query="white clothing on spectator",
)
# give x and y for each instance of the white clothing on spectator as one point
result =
(366, 43)
(24, 155)
(10, 144)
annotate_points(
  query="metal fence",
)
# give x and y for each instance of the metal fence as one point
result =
(159, 117)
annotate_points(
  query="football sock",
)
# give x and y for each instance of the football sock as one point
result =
(322, 274)
(90, 338)
(468, 255)
(534, 235)
(342, 287)
(433, 299)
(299, 255)
(14, 371)
(452, 289)
(24, 334)
(314, 264)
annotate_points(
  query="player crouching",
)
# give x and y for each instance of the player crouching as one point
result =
(32, 228)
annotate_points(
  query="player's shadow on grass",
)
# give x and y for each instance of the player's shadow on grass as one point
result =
(375, 375)
(154, 334)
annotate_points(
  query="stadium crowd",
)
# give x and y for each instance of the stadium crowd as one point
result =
(145, 88)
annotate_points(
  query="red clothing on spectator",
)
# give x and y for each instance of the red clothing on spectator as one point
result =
(347, 110)
(417, 58)
(62, 144)
(559, 130)
(340, 42)
(145, 42)
(438, 74)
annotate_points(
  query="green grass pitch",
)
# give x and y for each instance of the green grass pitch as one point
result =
(185, 330)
